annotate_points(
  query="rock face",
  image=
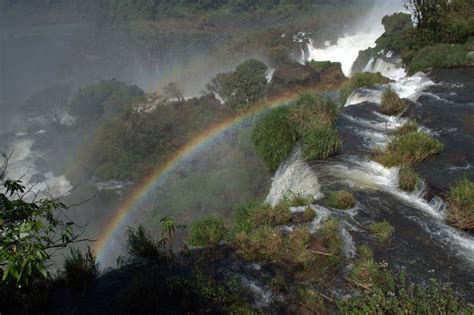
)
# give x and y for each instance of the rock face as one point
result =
(292, 76)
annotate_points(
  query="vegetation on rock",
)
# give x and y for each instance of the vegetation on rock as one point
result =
(341, 200)
(407, 179)
(360, 80)
(381, 230)
(391, 103)
(409, 148)
(208, 232)
(461, 204)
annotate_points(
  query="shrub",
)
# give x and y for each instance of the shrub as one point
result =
(140, 244)
(359, 80)
(263, 243)
(341, 200)
(461, 204)
(320, 143)
(80, 270)
(409, 148)
(274, 137)
(255, 214)
(439, 56)
(329, 235)
(391, 103)
(407, 179)
(209, 231)
(409, 126)
(309, 214)
(381, 230)
(295, 200)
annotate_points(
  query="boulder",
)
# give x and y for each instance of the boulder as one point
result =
(293, 75)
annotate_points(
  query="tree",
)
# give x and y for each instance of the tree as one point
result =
(243, 87)
(172, 91)
(30, 230)
(50, 105)
(427, 13)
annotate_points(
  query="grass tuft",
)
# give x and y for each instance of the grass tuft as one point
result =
(309, 214)
(407, 179)
(359, 80)
(80, 270)
(381, 230)
(392, 104)
(341, 200)
(461, 204)
(409, 126)
(209, 231)
(409, 148)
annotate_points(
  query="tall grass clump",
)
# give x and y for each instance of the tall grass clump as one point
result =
(80, 269)
(321, 143)
(341, 200)
(141, 244)
(440, 56)
(359, 80)
(409, 126)
(407, 179)
(254, 214)
(209, 231)
(262, 243)
(392, 104)
(381, 230)
(274, 137)
(409, 148)
(461, 204)
(295, 200)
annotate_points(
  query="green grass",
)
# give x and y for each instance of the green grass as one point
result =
(461, 204)
(141, 244)
(409, 148)
(254, 214)
(209, 231)
(440, 56)
(407, 179)
(409, 126)
(341, 200)
(359, 80)
(274, 137)
(295, 200)
(80, 270)
(309, 214)
(320, 143)
(332, 241)
(264, 243)
(391, 103)
(322, 66)
(381, 230)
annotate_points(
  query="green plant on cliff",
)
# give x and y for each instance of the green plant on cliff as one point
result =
(391, 103)
(209, 231)
(461, 204)
(359, 80)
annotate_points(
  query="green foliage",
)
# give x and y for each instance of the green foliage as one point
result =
(294, 200)
(243, 87)
(410, 126)
(80, 270)
(322, 66)
(141, 244)
(262, 243)
(391, 103)
(439, 56)
(381, 230)
(103, 100)
(461, 204)
(29, 229)
(397, 26)
(321, 143)
(332, 241)
(403, 298)
(209, 231)
(409, 148)
(309, 214)
(407, 179)
(256, 214)
(359, 80)
(368, 273)
(341, 200)
(274, 137)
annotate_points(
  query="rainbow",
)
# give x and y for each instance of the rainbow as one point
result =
(137, 197)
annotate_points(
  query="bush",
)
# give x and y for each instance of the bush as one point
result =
(439, 56)
(359, 80)
(461, 204)
(140, 244)
(312, 111)
(381, 230)
(263, 243)
(320, 143)
(341, 200)
(391, 103)
(409, 148)
(274, 137)
(410, 126)
(80, 270)
(309, 214)
(209, 231)
(407, 179)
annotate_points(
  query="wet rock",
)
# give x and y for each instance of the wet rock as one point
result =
(292, 76)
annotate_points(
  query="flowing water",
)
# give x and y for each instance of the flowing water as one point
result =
(423, 242)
